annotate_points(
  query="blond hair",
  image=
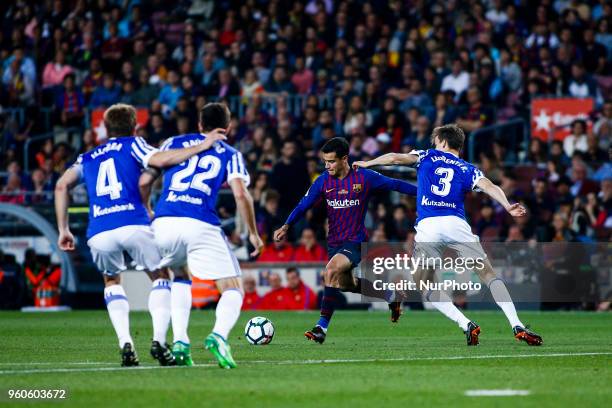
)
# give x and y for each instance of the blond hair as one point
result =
(120, 120)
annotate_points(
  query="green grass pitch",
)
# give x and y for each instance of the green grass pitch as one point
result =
(366, 361)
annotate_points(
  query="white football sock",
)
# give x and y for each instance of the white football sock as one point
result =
(159, 307)
(228, 311)
(502, 298)
(445, 305)
(180, 300)
(119, 312)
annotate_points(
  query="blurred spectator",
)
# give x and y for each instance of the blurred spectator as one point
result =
(269, 217)
(13, 192)
(476, 115)
(457, 81)
(603, 127)
(171, 92)
(278, 251)
(303, 78)
(289, 177)
(42, 189)
(19, 87)
(581, 85)
(302, 297)
(593, 53)
(157, 130)
(251, 297)
(42, 278)
(309, 249)
(55, 71)
(225, 86)
(146, 92)
(442, 114)
(487, 219)
(577, 140)
(420, 139)
(537, 153)
(401, 224)
(279, 297)
(510, 71)
(594, 153)
(251, 86)
(560, 231)
(107, 94)
(113, 48)
(70, 103)
(93, 79)
(540, 202)
(279, 82)
(581, 184)
(20, 63)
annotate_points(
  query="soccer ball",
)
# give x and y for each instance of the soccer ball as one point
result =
(259, 331)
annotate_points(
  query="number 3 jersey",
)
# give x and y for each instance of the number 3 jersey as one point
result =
(111, 172)
(191, 188)
(443, 181)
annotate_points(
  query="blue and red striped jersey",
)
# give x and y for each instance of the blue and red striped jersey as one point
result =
(347, 202)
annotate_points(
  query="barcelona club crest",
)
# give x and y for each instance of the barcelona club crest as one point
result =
(356, 188)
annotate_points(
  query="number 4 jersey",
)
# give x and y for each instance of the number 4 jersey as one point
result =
(443, 181)
(111, 172)
(191, 188)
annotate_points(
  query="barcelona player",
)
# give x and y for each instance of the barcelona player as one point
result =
(346, 192)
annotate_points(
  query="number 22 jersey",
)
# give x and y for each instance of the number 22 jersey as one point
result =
(111, 172)
(191, 188)
(443, 181)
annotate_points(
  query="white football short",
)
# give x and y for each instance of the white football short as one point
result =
(435, 234)
(201, 246)
(107, 249)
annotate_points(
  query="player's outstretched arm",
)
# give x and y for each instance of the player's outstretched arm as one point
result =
(378, 181)
(496, 193)
(173, 157)
(145, 186)
(62, 198)
(400, 159)
(244, 202)
(310, 198)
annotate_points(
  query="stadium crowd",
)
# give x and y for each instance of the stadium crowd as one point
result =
(381, 74)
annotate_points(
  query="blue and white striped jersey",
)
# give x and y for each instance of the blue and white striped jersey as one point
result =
(443, 181)
(191, 188)
(111, 172)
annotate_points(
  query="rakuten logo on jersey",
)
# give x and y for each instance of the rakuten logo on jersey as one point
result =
(342, 203)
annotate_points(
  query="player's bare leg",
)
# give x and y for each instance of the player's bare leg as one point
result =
(504, 301)
(119, 313)
(180, 309)
(159, 308)
(444, 304)
(227, 313)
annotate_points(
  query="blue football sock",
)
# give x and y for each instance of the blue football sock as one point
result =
(328, 305)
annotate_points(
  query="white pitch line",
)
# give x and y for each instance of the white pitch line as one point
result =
(307, 362)
(496, 393)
